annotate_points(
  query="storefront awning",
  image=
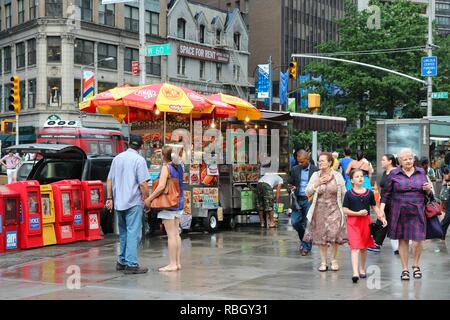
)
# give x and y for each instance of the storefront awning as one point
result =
(311, 122)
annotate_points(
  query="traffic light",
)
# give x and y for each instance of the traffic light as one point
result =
(14, 97)
(314, 102)
(293, 70)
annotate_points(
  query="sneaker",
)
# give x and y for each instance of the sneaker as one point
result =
(374, 249)
(135, 270)
(120, 267)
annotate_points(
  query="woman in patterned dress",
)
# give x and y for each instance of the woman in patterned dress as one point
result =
(327, 187)
(406, 190)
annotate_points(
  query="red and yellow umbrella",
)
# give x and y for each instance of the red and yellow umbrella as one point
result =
(166, 98)
(244, 109)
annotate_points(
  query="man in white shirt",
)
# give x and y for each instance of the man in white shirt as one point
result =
(265, 196)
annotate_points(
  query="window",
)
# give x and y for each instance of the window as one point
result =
(54, 92)
(54, 8)
(153, 65)
(106, 14)
(151, 23)
(181, 66)
(21, 12)
(103, 86)
(32, 94)
(86, 10)
(218, 71)
(181, 28)
(130, 55)
(237, 40)
(202, 34)
(20, 55)
(6, 96)
(236, 72)
(7, 62)
(53, 49)
(0, 23)
(33, 9)
(31, 44)
(131, 19)
(8, 15)
(218, 34)
(105, 51)
(84, 52)
(202, 69)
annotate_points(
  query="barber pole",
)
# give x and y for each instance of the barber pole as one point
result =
(88, 85)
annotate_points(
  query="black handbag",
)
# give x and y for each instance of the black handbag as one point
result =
(434, 228)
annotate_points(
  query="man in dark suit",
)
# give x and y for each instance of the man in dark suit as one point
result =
(298, 180)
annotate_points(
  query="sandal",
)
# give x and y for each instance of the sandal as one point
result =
(334, 265)
(405, 275)
(323, 267)
(417, 274)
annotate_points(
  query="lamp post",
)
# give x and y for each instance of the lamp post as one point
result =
(95, 63)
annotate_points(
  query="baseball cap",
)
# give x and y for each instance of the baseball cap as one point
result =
(136, 140)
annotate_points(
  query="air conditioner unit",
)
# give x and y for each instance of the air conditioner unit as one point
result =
(61, 123)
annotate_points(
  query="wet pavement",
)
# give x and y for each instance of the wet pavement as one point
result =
(245, 263)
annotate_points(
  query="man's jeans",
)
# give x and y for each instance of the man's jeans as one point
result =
(299, 221)
(130, 228)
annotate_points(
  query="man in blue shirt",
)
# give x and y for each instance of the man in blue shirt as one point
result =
(344, 162)
(127, 185)
(298, 180)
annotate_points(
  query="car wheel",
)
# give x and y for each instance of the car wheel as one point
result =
(211, 223)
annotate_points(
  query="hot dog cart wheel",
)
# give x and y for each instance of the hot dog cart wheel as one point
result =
(211, 223)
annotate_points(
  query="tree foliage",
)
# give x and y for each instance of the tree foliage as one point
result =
(365, 90)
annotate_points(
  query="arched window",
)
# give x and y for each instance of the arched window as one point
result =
(202, 34)
(237, 40)
(181, 28)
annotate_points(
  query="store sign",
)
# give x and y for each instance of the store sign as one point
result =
(202, 53)
(53, 117)
(135, 68)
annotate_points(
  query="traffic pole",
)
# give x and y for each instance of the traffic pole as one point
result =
(17, 128)
(430, 53)
(142, 71)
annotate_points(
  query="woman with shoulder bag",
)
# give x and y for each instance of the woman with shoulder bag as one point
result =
(170, 216)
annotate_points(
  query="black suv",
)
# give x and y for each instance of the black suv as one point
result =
(64, 161)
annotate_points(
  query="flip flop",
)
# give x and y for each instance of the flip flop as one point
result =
(166, 269)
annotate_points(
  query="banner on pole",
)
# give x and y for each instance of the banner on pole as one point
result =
(88, 84)
(291, 104)
(283, 87)
(263, 85)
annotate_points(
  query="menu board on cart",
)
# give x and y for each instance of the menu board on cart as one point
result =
(205, 198)
(194, 174)
(187, 202)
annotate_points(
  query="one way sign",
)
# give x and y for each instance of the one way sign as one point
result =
(429, 66)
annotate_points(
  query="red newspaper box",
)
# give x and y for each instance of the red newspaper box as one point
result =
(30, 231)
(79, 221)
(93, 203)
(9, 219)
(64, 211)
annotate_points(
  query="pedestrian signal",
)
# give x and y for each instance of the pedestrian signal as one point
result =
(293, 70)
(14, 97)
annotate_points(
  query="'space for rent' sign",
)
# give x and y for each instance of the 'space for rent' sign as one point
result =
(202, 53)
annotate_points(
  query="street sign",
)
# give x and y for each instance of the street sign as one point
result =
(429, 66)
(439, 95)
(135, 68)
(158, 50)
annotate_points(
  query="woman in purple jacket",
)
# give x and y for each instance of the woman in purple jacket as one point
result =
(406, 189)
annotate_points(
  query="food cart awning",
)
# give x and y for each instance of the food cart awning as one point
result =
(307, 122)
(312, 122)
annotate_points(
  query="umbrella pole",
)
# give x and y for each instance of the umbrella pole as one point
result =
(164, 139)
(129, 126)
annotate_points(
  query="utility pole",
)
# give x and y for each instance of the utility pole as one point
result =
(142, 71)
(430, 53)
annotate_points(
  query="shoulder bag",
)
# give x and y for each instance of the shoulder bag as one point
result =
(170, 196)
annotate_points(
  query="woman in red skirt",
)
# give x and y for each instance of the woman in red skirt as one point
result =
(357, 203)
